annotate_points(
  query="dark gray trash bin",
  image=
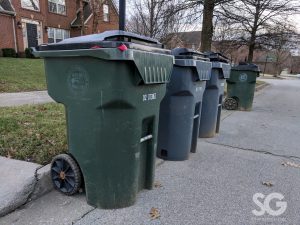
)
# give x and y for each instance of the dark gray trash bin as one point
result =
(213, 95)
(180, 109)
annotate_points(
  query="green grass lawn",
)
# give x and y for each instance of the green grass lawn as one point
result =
(19, 74)
(33, 133)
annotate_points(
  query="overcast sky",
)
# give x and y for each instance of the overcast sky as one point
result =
(296, 18)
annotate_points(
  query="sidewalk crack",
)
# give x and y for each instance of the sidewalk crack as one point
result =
(83, 215)
(266, 152)
(34, 185)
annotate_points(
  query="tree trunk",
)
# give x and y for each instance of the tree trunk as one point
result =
(152, 22)
(251, 52)
(252, 42)
(207, 25)
(81, 5)
(97, 6)
(253, 33)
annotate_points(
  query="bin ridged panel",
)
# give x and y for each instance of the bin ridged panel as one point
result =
(204, 70)
(153, 68)
(226, 70)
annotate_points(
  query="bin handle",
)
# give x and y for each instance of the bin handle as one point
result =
(146, 138)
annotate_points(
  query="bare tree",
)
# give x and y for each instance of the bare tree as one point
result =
(157, 18)
(207, 22)
(281, 39)
(256, 17)
(96, 6)
(80, 4)
(226, 39)
(204, 10)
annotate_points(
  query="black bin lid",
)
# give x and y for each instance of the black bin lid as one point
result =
(107, 39)
(247, 67)
(216, 57)
(186, 53)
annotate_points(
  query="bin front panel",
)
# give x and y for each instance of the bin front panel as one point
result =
(211, 107)
(177, 111)
(111, 123)
(241, 86)
(200, 88)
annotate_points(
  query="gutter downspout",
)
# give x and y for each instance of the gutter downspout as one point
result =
(15, 33)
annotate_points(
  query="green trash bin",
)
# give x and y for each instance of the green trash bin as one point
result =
(111, 85)
(241, 87)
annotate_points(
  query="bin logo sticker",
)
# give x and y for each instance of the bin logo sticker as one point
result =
(78, 80)
(243, 77)
(149, 97)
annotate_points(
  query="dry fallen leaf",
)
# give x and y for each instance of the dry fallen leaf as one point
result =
(8, 155)
(50, 142)
(269, 184)
(154, 213)
(157, 184)
(291, 164)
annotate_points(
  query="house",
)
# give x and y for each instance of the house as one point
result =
(190, 40)
(272, 62)
(7, 24)
(295, 64)
(29, 23)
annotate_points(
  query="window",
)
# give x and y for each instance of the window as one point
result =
(105, 12)
(57, 6)
(31, 4)
(56, 35)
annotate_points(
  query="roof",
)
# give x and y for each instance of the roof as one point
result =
(6, 7)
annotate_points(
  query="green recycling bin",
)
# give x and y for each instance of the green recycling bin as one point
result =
(111, 85)
(241, 87)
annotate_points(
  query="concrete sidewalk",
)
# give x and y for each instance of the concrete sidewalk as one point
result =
(23, 98)
(21, 182)
(256, 152)
(24, 181)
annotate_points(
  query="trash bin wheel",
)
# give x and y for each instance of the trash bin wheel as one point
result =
(65, 174)
(230, 104)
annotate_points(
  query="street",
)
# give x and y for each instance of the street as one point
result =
(255, 152)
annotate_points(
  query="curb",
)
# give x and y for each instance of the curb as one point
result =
(36, 185)
(261, 86)
(41, 185)
(44, 184)
(23, 182)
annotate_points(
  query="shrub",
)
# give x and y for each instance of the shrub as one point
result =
(9, 52)
(28, 53)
